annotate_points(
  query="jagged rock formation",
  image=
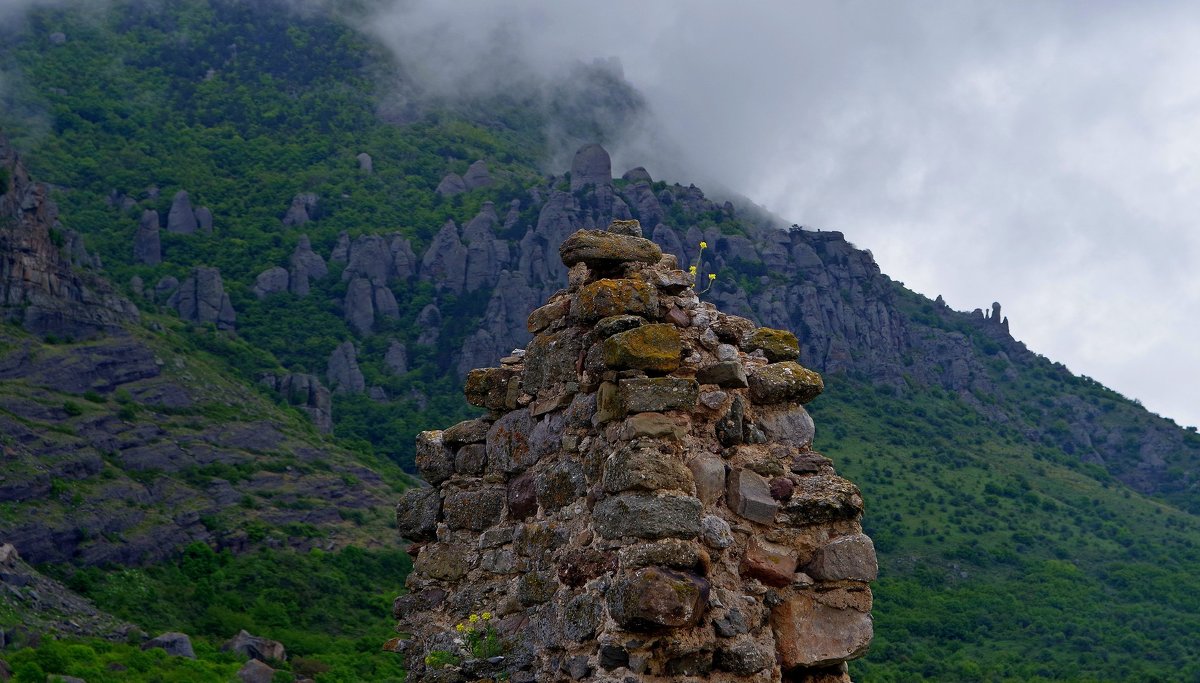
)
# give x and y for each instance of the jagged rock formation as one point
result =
(38, 286)
(591, 166)
(477, 175)
(271, 281)
(202, 299)
(365, 163)
(306, 393)
(306, 265)
(147, 244)
(47, 608)
(641, 501)
(451, 185)
(302, 210)
(181, 219)
(343, 373)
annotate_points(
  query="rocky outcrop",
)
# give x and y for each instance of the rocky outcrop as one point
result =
(305, 265)
(147, 244)
(451, 185)
(256, 647)
(181, 219)
(44, 607)
(396, 358)
(445, 262)
(477, 176)
(306, 393)
(173, 643)
(365, 163)
(591, 166)
(365, 301)
(39, 288)
(201, 298)
(343, 373)
(641, 500)
(486, 255)
(302, 210)
(270, 281)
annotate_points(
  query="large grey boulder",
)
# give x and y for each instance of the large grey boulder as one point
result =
(182, 217)
(302, 210)
(255, 647)
(306, 393)
(174, 643)
(305, 265)
(204, 220)
(477, 176)
(147, 244)
(591, 166)
(365, 163)
(445, 262)
(270, 281)
(202, 299)
(359, 306)
(343, 373)
(485, 253)
(429, 321)
(451, 185)
(370, 256)
(396, 358)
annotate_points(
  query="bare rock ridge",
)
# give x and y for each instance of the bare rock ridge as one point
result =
(641, 501)
(39, 287)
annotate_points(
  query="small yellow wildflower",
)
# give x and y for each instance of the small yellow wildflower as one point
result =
(474, 618)
(460, 628)
(704, 245)
(692, 270)
(487, 615)
(712, 276)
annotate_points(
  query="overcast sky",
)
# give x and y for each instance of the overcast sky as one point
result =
(1043, 155)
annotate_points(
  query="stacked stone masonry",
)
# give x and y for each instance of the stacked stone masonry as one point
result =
(641, 501)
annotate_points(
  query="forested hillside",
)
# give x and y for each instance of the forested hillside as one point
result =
(299, 226)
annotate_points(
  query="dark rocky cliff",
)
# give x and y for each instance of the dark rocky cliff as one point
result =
(39, 287)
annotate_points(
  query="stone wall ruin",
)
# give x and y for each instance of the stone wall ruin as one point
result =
(641, 501)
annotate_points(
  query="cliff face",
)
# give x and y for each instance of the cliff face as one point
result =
(850, 317)
(39, 288)
(642, 498)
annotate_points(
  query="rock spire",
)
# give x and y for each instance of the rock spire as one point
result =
(641, 500)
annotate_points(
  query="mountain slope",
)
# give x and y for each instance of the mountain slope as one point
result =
(1030, 522)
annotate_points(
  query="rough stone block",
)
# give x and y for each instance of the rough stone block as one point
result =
(604, 298)
(475, 509)
(469, 431)
(648, 516)
(848, 558)
(652, 598)
(608, 403)
(550, 359)
(471, 459)
(709, 474)
(545, 316)
(417, 513)
(784, 382)
(601, 249)
(433, 458)
(653, 426)
(715, 532)
(821, 498)
(791, 425)
(771, 563)
(442, 561)
(658, 394)
(776, 345)
(645, 469)
(649, 347)
(809, 633)
(560, 485)
(749, 495)
(488, 387)
(508, 447)
(729, 374)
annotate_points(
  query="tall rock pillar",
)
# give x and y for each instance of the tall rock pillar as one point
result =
(641, 501)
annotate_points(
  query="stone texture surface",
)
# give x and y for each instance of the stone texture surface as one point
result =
(621, 525)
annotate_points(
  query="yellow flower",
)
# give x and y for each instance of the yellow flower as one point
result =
(460, 628)
(704, 245)
(692, 270)
(487, 615)
(474, 618)
(712, 276)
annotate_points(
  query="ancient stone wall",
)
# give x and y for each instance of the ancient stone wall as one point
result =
(641, 502)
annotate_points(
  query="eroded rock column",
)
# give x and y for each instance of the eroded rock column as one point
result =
(641, 501)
